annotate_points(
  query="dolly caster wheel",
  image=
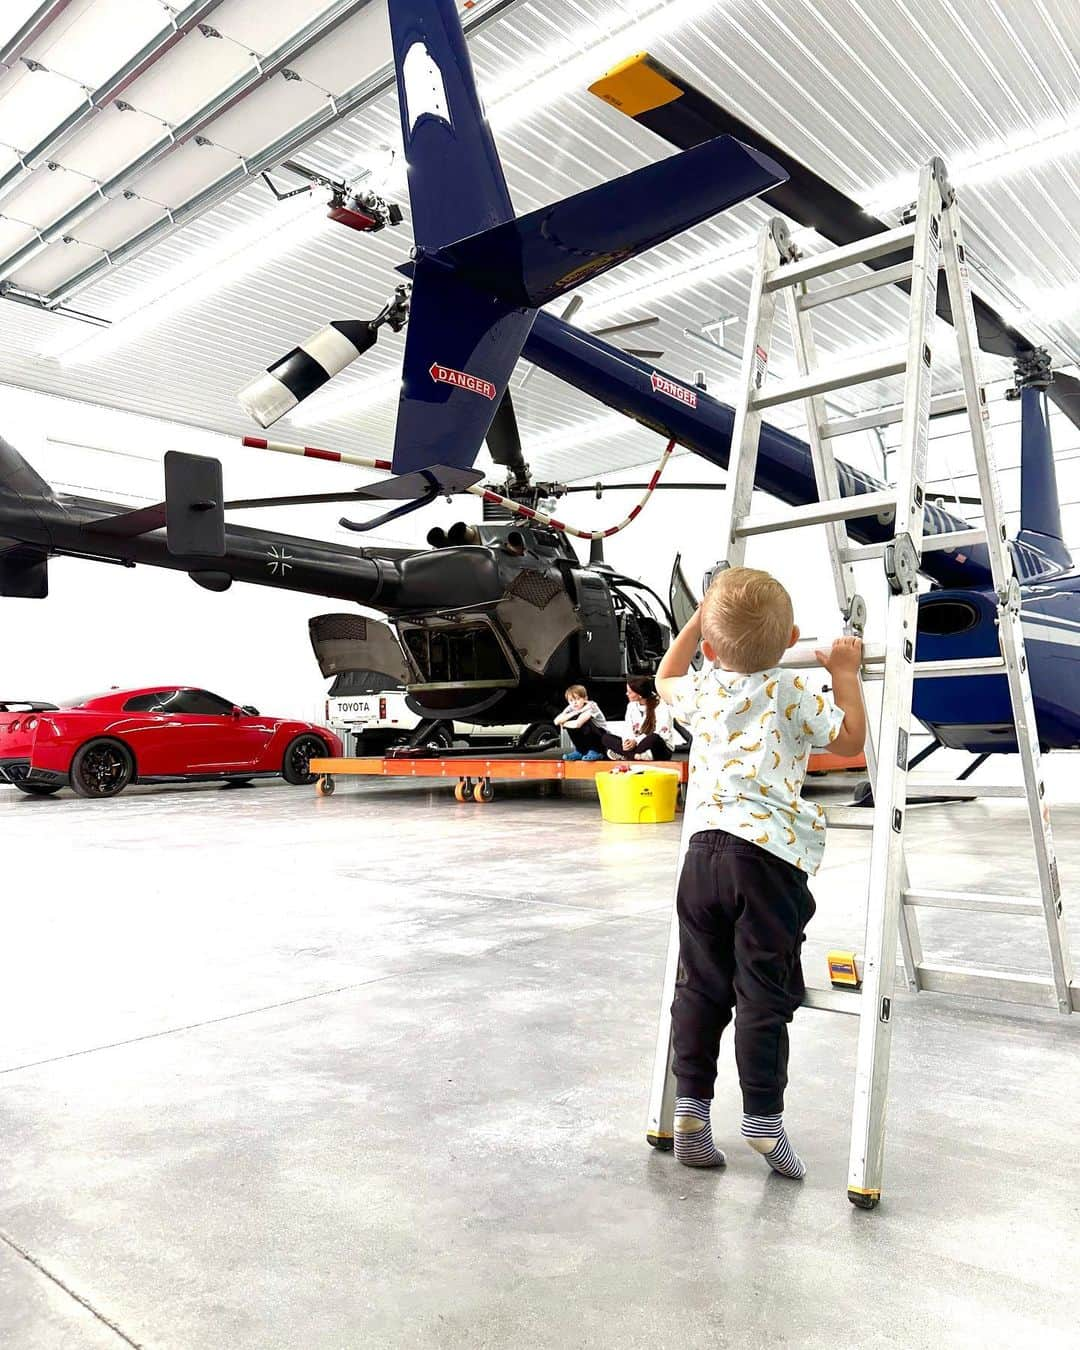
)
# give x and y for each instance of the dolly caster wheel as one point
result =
(325, 787)
(483, 791)
(463, 790)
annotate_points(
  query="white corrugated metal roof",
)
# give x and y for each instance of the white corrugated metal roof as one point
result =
(860, 94)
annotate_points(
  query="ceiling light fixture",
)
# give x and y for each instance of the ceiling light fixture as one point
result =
(209, 270)
(1024, 151)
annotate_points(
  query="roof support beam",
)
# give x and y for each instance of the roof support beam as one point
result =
(261, 70)
(341, 107)
(31, 30)
(178, 26)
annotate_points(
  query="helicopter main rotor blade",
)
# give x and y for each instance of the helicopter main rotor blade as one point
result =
(572, 307)
(1064, 392)
(685, 117)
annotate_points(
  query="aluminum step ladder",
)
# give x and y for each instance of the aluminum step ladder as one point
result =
(931, 240)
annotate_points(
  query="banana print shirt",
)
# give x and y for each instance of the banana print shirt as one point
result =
(752, 739)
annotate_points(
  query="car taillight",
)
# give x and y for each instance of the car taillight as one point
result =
(382, 710)
(15, 725)
(31, 724)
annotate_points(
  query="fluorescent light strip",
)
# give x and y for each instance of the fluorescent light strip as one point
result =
(207, 271)
(355, 398)
(1027, 150)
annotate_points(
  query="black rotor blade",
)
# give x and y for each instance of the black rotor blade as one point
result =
(504, 440)
(305, 499)
(1064, 393)
(625, 327)
(686, 117)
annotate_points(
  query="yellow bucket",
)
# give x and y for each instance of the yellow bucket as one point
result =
(647, 798)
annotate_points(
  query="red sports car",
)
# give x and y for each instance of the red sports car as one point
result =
(99, 745)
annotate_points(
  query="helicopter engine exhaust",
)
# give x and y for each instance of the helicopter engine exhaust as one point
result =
(306, 368)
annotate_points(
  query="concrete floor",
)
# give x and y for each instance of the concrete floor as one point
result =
(371, 1071)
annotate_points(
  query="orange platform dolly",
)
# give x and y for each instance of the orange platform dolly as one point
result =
(474, 773)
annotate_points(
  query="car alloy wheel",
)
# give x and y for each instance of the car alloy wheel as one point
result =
(296, 768)
(101, 769)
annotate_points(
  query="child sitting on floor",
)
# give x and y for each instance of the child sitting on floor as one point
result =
(743, 900)
(584, 723)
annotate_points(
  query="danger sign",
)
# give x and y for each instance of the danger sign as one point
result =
(461, 379)
(662, 385)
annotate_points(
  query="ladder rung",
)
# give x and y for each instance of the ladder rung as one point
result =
(1003, 985)
(879, 367)
(820, 513)
(884, 417)
(963, 789)
(976, 665)
(834, 259)
(827, 295)
(984, 902)
(873, 654)
(833, 1000)
(932, 543)
(849, 817)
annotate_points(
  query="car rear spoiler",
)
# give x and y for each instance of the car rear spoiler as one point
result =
(26, 705)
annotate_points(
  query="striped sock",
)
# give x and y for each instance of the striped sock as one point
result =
(694, 1145)
(766, 1135)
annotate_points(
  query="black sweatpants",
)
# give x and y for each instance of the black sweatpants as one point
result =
(587, 737)
(742, 919)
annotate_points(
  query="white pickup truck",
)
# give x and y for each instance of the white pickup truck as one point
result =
(370, 713)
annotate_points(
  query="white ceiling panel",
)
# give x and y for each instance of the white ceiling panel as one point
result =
(45, 195)
(266, 114)
(52, 266)
(32, 103)
(261, 25)
(361, 43)
(187, 170)
(119, 220)
(195, 69)
(112, 140)
(13, 235)
(94, 45)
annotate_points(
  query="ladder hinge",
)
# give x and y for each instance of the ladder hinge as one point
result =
(1009, 599)
(945, 188)
(781, 237)
(855, 616)
(902, 565)
(713, 572)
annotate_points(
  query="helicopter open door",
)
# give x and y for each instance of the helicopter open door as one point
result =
(343, 642)
(683, 603)
(682, 598)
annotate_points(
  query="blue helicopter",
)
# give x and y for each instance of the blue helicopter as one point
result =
(479, 275)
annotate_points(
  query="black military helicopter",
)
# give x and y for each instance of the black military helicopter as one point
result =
(488, 625)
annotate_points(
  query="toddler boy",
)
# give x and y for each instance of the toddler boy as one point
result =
(743, 900)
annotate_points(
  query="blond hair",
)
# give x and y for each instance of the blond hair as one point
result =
(746, 617)
(577, 691)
